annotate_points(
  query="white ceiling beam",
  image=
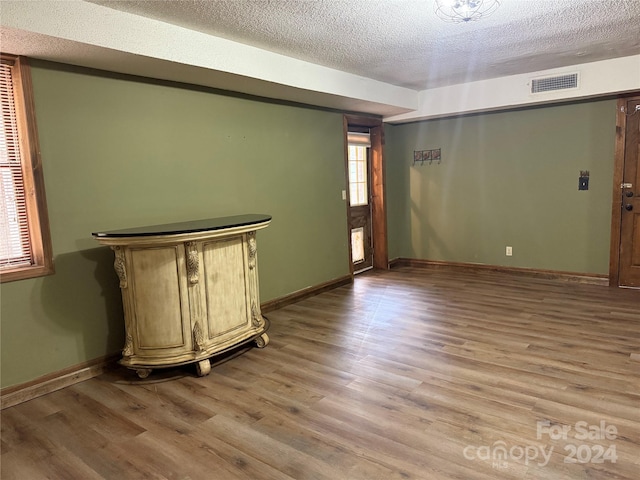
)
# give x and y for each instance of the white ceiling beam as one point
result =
(596, 79)
(76, 25)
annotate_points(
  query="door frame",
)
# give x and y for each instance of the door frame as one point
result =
(377, 188)
(618, 175)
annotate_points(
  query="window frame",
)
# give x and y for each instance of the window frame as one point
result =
(33, 178)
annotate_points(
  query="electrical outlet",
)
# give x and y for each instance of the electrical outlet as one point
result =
(508, 251)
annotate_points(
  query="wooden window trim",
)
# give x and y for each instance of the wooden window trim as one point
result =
(38, 219)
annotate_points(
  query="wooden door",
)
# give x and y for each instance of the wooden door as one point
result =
(359, 167)
(628, 193)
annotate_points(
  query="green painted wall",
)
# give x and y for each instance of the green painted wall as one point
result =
(119, 152)
(507, 178)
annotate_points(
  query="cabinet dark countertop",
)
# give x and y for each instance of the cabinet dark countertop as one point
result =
(187, 227)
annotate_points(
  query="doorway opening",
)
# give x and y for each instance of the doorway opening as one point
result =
(366, 207)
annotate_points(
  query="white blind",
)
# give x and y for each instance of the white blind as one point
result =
(15, 244)
(356, 138)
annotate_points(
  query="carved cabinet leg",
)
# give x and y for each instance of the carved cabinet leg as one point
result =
(203, 367)
(262, 341)
(143, 372)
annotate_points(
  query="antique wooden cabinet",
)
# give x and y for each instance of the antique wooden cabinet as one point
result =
(189, 290)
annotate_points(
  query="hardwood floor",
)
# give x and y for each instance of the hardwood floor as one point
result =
(407, 374)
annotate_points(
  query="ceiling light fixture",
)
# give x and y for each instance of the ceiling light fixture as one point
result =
(461, 11)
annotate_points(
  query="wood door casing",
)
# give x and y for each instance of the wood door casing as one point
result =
(625, 238)
(378, 200)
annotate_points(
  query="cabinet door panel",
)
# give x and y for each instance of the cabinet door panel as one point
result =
(226, 286)
(159, 303)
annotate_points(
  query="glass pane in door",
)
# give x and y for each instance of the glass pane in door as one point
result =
(357, 245)
(358, 175)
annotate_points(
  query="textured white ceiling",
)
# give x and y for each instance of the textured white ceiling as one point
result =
(393, 58)
(402, 42)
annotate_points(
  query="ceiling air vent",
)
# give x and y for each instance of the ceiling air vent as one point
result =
(550, 84)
